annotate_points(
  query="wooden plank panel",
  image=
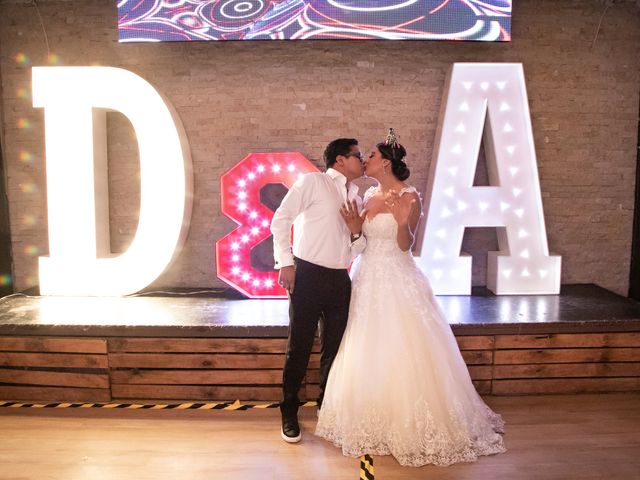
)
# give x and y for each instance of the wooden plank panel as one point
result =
(206, 361)
(53, 344)
(593, 340)
(483, 387)
(54, 379)
(199, 360)
(69, 360)
(567, 370)
(475, 342)
(54, 394)
(565, 385)
(570, 355)
(197, 345)
(477, 357)
(197, 377)
(201, 393)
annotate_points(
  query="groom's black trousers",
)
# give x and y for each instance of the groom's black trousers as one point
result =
(319, 294)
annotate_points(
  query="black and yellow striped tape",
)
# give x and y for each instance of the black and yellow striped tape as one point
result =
(153, 406)
(366, 468)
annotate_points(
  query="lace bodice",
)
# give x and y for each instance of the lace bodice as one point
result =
(381, 229)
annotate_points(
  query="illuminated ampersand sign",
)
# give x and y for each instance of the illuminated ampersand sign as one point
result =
(240, 201)
(489, 99)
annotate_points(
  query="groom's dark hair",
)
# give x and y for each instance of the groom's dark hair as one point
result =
(340, 146)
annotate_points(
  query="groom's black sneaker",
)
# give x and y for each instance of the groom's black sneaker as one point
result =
(290, 429)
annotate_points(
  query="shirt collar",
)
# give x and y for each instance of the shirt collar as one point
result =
(341, 180)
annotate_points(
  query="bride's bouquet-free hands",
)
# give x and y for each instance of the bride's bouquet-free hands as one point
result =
(401, 207)
(352, 217)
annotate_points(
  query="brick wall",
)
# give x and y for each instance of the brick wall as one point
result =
(235, 98)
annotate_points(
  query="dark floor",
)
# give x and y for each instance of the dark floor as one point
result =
(578, 308)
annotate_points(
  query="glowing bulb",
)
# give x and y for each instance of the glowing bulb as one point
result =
(438, 254)
(256, 283)
(275, 168)
(253, 215)
(244, 238)
(260, 168)
(442, 233)
(242, 195)
(525, 273)
(461, 205)
(457, 149)
(522, 233)
(242, 183)
(543, 273)
(484, 86)
(467, 85)
(460, 128)
(501, 85)
(483, 206)
(511, 149)
(445, 213)
(246, 276)
(504, 107)
(291, 168)
(437, 274)
(516, 192)
(525, 254)
(513, 170)
(506, 273)
(464, 107)
(453, 171)
(504, 206)
(251, 176)
(235, 246)
(449, 192)
(235, 270)
(520, 212)
(508, 128)
(255, 231)
(235, 258)
(242, 207)
(265, 223)
(268, 283)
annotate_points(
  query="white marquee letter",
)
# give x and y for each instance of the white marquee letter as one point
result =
(75, 101)
(489, 98)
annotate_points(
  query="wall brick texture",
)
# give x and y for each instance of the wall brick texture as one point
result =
(241, 97)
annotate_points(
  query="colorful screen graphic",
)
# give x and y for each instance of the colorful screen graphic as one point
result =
(206, 20)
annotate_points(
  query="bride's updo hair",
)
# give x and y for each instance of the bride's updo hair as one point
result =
(395, 153)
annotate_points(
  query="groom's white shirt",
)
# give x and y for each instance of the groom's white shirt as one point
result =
(320, 235)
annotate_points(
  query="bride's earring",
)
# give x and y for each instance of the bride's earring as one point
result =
(384, 169)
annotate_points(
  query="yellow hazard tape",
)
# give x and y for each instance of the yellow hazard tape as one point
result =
(152, 406)
(366, 468)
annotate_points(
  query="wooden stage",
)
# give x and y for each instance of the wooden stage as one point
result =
(180, 347)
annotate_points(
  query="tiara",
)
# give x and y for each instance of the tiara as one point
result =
(391, 140)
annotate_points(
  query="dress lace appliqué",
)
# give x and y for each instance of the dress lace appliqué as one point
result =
(399, 384)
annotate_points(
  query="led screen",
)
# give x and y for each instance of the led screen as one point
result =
(206, 20)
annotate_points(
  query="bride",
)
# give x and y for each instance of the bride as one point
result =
(399, 384)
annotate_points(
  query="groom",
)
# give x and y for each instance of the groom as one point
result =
(315, 272)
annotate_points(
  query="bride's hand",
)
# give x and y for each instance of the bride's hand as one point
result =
(400, 207)
(352, 218)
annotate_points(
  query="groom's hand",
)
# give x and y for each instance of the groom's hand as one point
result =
(287, 277)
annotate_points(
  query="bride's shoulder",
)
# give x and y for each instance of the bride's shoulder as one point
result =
(410, 189)
(370, 192)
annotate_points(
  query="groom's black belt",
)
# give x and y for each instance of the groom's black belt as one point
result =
(299, 262)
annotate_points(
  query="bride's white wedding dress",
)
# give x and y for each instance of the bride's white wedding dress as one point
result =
(399, 384)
